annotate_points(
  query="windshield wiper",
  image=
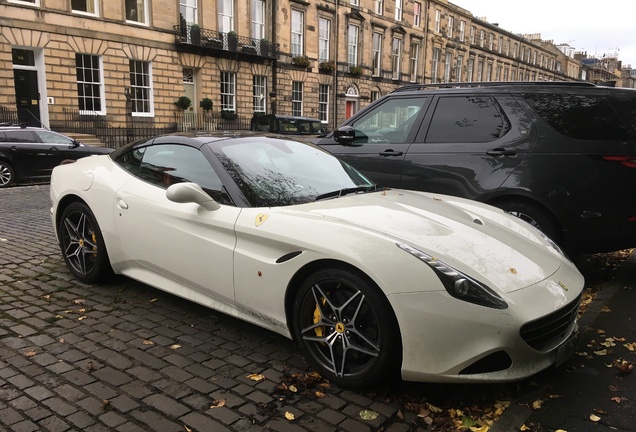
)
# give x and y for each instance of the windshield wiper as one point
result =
(346, 191)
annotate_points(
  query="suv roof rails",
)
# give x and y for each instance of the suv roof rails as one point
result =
(411, 87)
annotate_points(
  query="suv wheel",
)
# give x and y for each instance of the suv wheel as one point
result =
(534, 215)
(7, 176)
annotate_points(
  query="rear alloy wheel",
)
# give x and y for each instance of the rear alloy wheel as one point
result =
(82, 244)
(7, 176)
(346, 328)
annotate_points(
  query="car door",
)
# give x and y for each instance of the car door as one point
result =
(181, 247)
(383, 134)
(25, 154)
(469, 145)
(58, 147)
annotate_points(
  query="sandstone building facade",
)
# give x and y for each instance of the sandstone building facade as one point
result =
(132, 59)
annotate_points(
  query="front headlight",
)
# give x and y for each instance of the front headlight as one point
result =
(458, 284)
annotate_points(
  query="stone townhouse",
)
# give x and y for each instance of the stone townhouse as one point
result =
(132, 59)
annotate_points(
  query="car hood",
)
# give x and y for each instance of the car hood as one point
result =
(477, 239)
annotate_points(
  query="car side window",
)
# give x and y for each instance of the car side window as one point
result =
(579, 116)
(166, 164)
(20, 137)
(53, 138)
(389, 122)
(467, 119)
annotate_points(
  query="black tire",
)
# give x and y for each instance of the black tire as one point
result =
(82, 244)
(346, 328)
(7, 175)
(534, 216)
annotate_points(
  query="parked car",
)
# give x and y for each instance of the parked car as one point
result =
(284, 235)
(287, 125)
(29, 153)
(562, 156)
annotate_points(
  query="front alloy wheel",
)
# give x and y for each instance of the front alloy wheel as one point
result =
(7, 176)
(346, 328)
(82, 244)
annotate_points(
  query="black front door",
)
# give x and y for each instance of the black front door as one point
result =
(27, 96)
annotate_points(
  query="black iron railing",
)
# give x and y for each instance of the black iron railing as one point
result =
(231, 42)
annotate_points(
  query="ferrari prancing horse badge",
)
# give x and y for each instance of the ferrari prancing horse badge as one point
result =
(260, 218)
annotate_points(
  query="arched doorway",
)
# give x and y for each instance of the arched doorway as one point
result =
(352, 100)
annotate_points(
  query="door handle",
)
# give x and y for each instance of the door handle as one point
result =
(501, 152)
(391, 153)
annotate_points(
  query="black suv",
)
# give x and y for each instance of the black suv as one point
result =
(560, 155)
(287, 125)
(30, 154)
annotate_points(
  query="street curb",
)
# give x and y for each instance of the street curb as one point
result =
(517, 413)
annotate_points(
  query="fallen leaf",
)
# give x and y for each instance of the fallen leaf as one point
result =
(613, 388)
(617, 399)
(601, 352)
(187, 428)
(560, 430)
(289, 416)
(78, 301)
(368, 415)
(434, 409)
(293, 389)
(600, 331)
(105, 404)
(30, 353)
(609, 342)
(605, 309)
(594, 418)
(524, 428)
(320, 394)
(625, 367)
(218, 403)
(630, 346)
(480, 428)
(553, 396)
(513, 270)
(174, 347)
(256, 377)
(48, 296)
(148, 342)
(537, 404)
(61, 340)
(82, 318)
(153, 300)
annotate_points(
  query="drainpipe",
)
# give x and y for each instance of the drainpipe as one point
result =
(335, 73)
(274, 63)
(424, 56)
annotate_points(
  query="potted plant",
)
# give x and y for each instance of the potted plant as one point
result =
(264, 47)
(206, 104)
(355, 70)
(195, 34)
(228, 114)
(327, 66)
(183, 102)
(232, 41)
(302, 61)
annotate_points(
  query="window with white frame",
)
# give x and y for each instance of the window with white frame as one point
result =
(297, 30)
(438, 20)
(396, 57)
(489, 71)
(514, 50)
(375, 94)
(513, 74)
(505, 73)
(458, 68)
(141, 87)
(469, 69)
(500, 44)
(379, 6)
(228, 91)
(377, 54)
(26, 2)
(534, 57)
(480, 70)
(188, 11)
(482, 38)
(417, 14)
(473, 30)
(226, 15)
(323, 103)
(491, 40)
(87, 7)
(414, 60)
(258, 19)
(462, 30)
(435, 65)
(90, 85)
(498, 73)
(398, 9)
(451, 25)
(352, 45)
(448, 59)
(324, 35)
(297, 98)
(259, 93)
(137, 11)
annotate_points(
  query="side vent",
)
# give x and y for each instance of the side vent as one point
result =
(287, 257)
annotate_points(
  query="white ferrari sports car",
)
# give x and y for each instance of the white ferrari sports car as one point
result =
(368, 281)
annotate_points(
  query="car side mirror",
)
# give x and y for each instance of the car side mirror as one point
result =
(191, 193)
(75, 144)
(344, 135)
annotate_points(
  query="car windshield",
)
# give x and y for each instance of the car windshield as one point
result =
(272, 172)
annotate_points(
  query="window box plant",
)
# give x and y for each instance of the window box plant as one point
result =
(228, 114)
(232, 41)
(195, 34)
(355, 70)
(327, 66)
(264, 45)
(302, 61)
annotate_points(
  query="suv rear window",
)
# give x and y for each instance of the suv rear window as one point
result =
(589, 117)
(467, 119)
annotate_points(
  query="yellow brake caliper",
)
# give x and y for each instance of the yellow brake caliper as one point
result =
(320, 331)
